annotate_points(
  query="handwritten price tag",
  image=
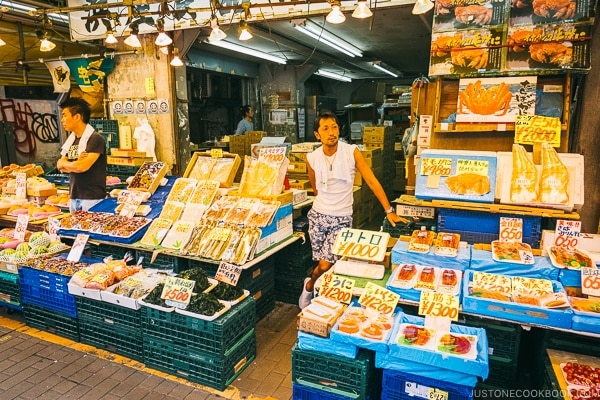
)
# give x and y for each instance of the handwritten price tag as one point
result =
(437, 394)
(438, 305)
(216, 153)
(128, 210)
(21, 185)
(511, 229)
(436, 166)
(379, 299)
(590, 281)
(364, 245)
(177, 291)
(567, 233)
(337, 288)
(78, 247)
(272, 154)
(228, 273)
(530, 129)
(21, 227)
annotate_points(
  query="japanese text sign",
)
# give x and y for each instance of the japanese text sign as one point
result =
(360, 244)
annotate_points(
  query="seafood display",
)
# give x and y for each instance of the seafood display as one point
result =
(421, 241)
(524, 177)
(422, 277)
(358, 322)
(468, 184)
(446, 244)
(570, 258)
(554, 180)
(514, 252)
(148, 176)
(458, 344)
(414, 335)
(96, 222)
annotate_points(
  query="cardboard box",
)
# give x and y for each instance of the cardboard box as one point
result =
(297, 156)
(270, 141)
(298, 196)
(128, 161)
(224, 170)
(374, 130)
(126, 153)
(255, 136)
(9, 267)
(285, 197)
(317, 326)
(300, 184)
(305, 147)
(297, 168)
(32, 192)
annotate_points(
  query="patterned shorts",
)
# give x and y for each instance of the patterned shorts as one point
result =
(322, 230)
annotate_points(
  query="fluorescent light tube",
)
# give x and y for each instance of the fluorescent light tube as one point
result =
(328, 40)
(248, 51)
(387, 71)
(333, 75)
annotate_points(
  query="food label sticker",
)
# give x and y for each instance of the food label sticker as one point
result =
(78, 247)
(590, 281)
(414, 389)
(531, 129)
(177, 291)
(53, 227)
(438, 305)
(437, 394)
(479, 167)
(21, 226)
(228, 273)
(567, 234)
(511, 229)
(337, 288)
(378, 299)
(216, 153)
(360, 244)
(436, 166)
(128, 210)
(415, 211)
(21, 185)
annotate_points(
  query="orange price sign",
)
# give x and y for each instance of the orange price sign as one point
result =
(590, 281)
(511, 229)
(337, 288)
(177, 291)
(438, 305)
(378, 298)
(567, 234)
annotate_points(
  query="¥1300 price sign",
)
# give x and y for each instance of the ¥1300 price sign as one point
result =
(590, 281)
(378, 298)
(337, 288)
(438, 305)
(177, 291)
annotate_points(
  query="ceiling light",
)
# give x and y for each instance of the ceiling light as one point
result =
(335, 16)
(330, 40)
(2, 42)
(379, 66)
(216, 34)
(244, 32)
(176, 61)
(422, 6)
(132, 40)
(45, 44)
(110, 38)
(362, 10)
(162, 39)
(164, 49)
(333, 75)
(248, 51)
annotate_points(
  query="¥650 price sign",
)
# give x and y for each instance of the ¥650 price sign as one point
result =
(438, 305)
(378, 299)
(177, 291)
(511, 229)
(337, 288)
(590, 281)
(364, 245)
(567, 233)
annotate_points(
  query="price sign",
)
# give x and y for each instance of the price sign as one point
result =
(364, 245)
(21, 227)
(128, 210)
(590, 281)
(21, 186)
(478, 167)
(531, 129)
(272, 154)
(216, 153)
(437, 394)
(378, 298)
(177, 291)
(78, 247)
(337, 288)
(438, 305)
(567, 233)
(511, 229)
(228, 273)
(436, 166)
(53, 227)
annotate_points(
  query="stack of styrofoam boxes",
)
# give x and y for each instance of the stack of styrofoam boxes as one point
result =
(369, 203)
(212, 353)
(383, 137)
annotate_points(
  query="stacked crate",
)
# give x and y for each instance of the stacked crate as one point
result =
(212, 353)
(241, 144)
(398, 385)
(10, 291)
(292, 265)
(47, 303)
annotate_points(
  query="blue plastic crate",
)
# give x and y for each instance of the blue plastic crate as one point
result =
(405, 386)
(484, 227)
(301, 392)
(48, 290)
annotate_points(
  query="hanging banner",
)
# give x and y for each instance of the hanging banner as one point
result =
(90, 74)
(61, 75)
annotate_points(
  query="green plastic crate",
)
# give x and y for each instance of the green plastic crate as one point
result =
(107, 314)
(265, 301)
(335, 374)
(166, 262)
(10, 291)
(504, 338)
(199, 367)
(214, 338)
(572, 343)
(127, 342)
(51, 321)
(103, 250)
(503, 373)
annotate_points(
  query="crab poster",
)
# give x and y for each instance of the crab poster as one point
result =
(541, 12)
(450, 15)
(495, 100)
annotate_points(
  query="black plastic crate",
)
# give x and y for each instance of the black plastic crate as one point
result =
(288, 291)
(109, 129)
(214, 338)
(10, 291)
(504, 338)
(335, 374)
(406, 229)
(265, 301)
(215, 372)
(103, 250)
(166, 262)
(572, 343)
(550, 383)
(51, 321)
(503, 373)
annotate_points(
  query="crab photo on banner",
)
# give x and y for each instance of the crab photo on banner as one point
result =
(495, 100)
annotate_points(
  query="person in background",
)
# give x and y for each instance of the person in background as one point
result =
(331, 171)
(83, 156)
(246, 123)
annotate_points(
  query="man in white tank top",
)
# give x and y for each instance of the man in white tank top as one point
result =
(331, 170)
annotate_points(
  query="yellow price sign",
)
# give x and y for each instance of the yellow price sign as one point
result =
(438, 305)
(511, 229)
(437, 394)
(177, 291)
(216, 153)
(531, 129)
(436, 166)
(337, 288)
(378, 298)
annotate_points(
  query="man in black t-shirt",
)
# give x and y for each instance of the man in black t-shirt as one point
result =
(83, 156)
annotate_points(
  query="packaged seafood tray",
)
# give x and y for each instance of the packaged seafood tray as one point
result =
(148, 177)
(408, 280)
(360, 327)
